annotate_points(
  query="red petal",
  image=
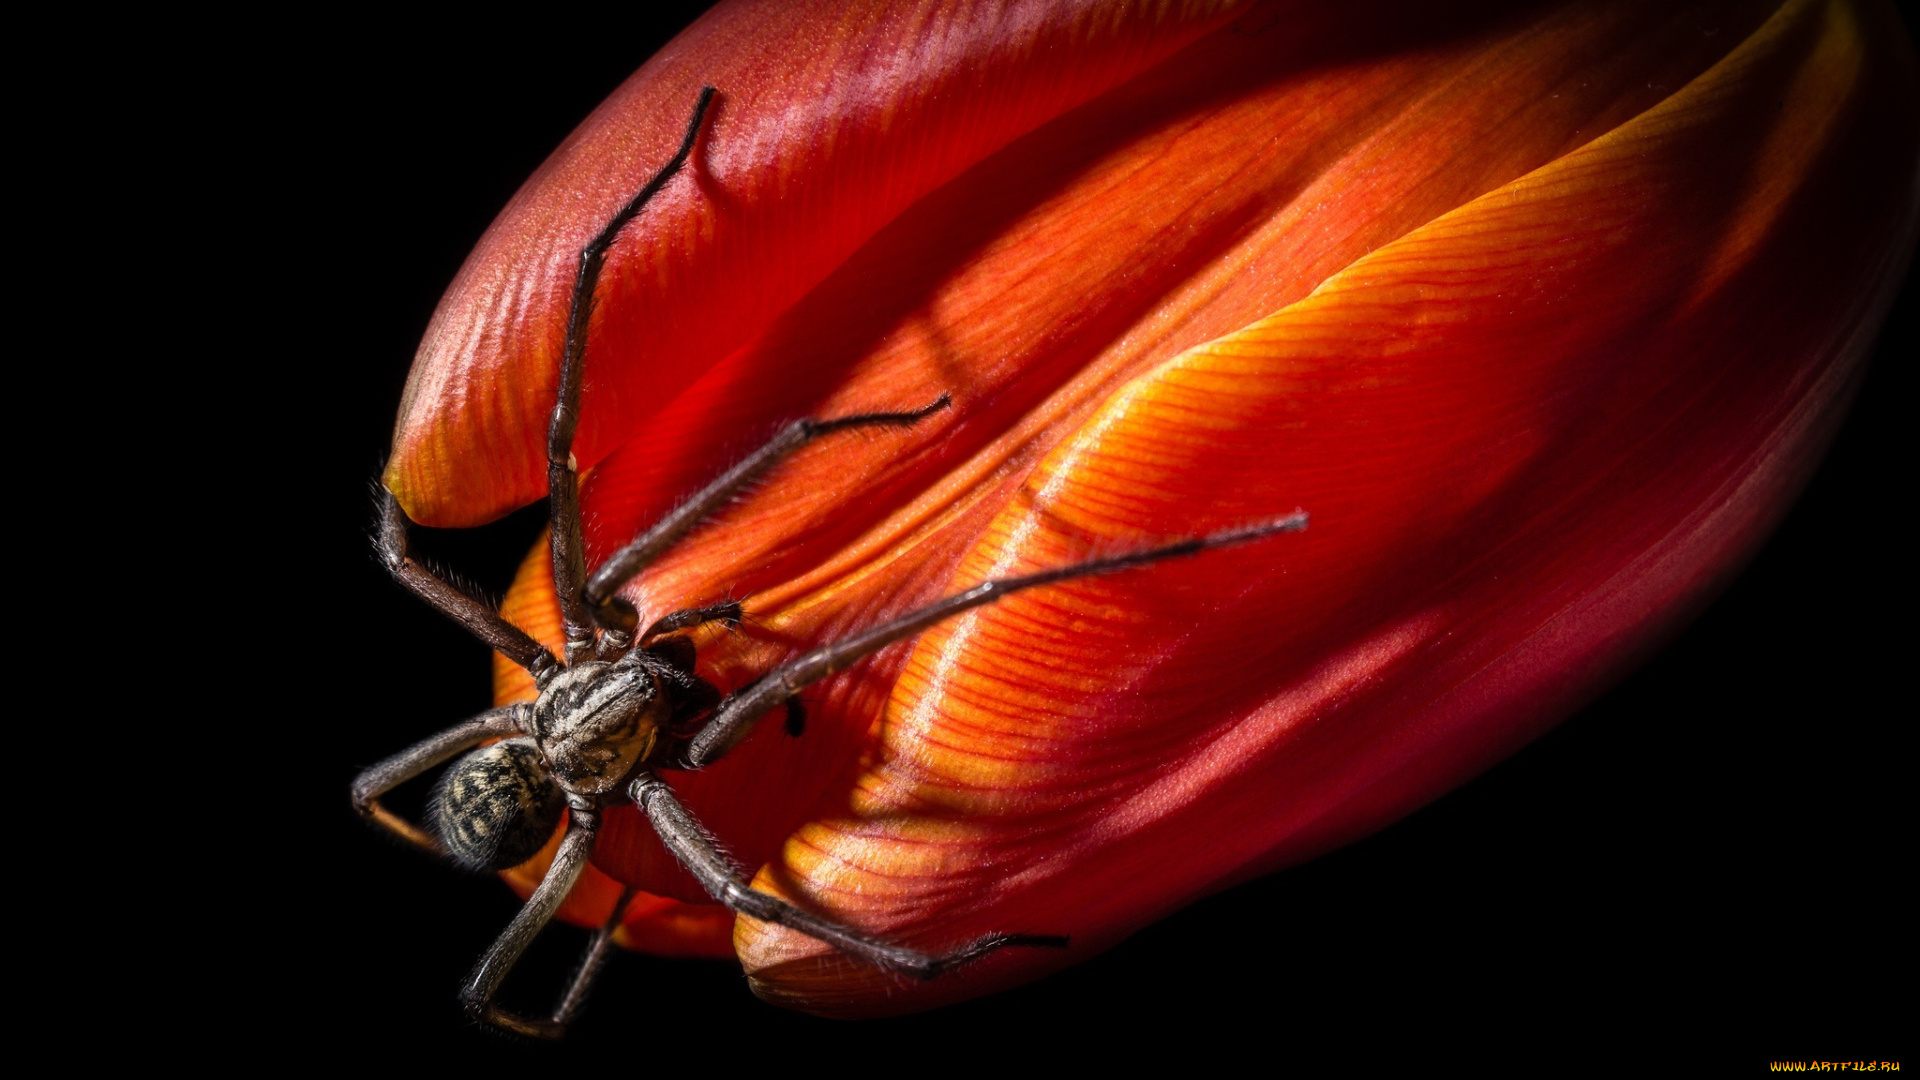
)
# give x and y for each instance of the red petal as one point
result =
(808, 154)
(1533, 435)
(1532, 430)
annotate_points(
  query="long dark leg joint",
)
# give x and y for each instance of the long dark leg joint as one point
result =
(480, 620)
(411, 762)
(635, 557)
(590, 964)
(727, 613)
(723, 881)
(484, 984)
(739, 712)
(563, 477)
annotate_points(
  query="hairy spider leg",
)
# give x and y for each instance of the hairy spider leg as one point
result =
(479, 619)
(569, 863)
(737, 714)
(618, 616)
(724, 881)
(563, 474)
(414, 760)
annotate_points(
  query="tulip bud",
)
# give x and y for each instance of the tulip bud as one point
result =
(1544, 316)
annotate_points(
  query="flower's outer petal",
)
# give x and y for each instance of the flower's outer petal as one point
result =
(809, 152)
(1103, 244)
(1533, 434)
(1137, 226)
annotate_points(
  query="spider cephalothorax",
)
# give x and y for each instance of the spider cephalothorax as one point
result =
(595, 721)
(620, 705)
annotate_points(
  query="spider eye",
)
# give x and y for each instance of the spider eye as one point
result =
(497, 806)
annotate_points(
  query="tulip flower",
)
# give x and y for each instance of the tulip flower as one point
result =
(1543, 313)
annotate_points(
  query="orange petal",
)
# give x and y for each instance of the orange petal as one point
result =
(1541, 344)
(1533, 434)
(1155, 175)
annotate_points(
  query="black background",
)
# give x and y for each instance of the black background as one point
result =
(1705, 861)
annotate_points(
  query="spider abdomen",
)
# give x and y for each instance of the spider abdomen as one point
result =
(497, 806)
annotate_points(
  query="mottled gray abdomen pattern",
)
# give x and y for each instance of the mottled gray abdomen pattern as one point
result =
(497, 806)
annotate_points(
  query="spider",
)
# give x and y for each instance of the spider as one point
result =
(625, 703)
